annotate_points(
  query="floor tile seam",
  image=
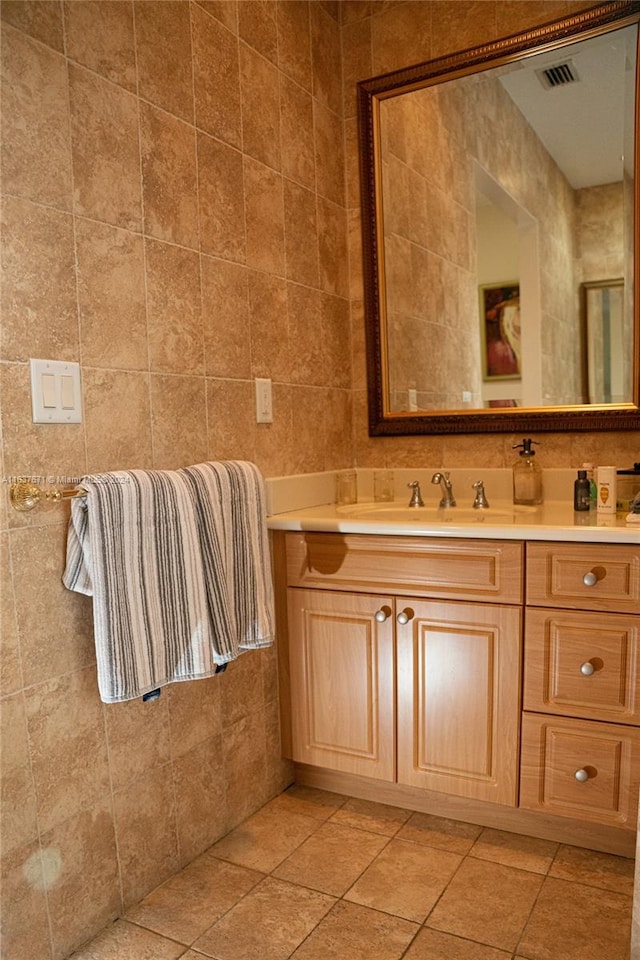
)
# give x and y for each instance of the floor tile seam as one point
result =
(386, 913)
(339, 896)
(587, 850)
(312, 889)
(224, 913)
(348, 826)
(431, 846)
(378, 833)
(141, 926)
(517, 951)
(405, 952)
(592, 886)
(232, 863)
(315, 927)
(244, 896)
(512, 954)
(443, 891)
(481, 943)
(511, 866)
(307, 935)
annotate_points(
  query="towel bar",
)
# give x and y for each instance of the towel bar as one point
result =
(25, 495)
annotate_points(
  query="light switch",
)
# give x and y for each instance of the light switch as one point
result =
(67, 392)
(55, 391)
(264, 403)
(48, 384)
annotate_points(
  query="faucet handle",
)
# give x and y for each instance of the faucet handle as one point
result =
(416, 496)
(480, 502)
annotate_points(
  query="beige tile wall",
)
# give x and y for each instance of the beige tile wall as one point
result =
(179, 216)
(174, 219)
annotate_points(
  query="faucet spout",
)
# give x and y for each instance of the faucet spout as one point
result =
(448, 499)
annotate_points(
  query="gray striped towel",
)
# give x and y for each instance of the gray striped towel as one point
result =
(178, 565)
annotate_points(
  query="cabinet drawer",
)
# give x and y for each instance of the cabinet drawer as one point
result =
(605, 755)
(584, 576)
(487, 570)
(582, 664)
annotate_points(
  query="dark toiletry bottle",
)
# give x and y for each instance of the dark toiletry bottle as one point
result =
(581, 488)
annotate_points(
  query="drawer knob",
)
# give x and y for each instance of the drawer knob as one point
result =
(590, 579)
(581, 776)
(404, 616)
(382, 614)
(586, 669)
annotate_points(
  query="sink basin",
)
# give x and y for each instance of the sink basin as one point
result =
(396, 513)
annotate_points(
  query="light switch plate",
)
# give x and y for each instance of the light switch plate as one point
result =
(264, 402)
(56, 396)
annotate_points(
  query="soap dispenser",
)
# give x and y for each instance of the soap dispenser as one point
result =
(527, 475)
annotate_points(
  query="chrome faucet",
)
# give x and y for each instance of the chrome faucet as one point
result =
(448, 499)
(416, 496)
(480, 502)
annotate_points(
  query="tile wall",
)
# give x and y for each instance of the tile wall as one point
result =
(178, 216)
(174, 220)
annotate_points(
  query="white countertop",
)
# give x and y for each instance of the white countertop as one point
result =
(551, 521)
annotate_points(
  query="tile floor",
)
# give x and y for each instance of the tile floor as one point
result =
(317, 876)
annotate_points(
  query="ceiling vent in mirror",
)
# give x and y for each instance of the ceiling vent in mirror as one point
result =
(558, 75)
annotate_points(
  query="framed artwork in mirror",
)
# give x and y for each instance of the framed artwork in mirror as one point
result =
(500, 331)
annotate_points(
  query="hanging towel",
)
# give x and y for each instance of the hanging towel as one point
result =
(177, 563)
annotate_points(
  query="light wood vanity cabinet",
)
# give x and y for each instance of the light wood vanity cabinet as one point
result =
(404, 679)
(392, 679)
(580, 736)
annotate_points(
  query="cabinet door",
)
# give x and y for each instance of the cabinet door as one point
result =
(459, 698)
(342, 681)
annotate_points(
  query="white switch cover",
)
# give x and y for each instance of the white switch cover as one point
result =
(264, 406)
(55, 391)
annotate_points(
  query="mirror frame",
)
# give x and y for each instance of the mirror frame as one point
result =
(371, 92)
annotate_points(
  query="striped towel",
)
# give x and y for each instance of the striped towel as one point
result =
(178, 565)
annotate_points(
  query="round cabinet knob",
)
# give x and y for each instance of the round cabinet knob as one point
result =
(382, 615)
(586, 669)
(404, 616)
(581, 776)
(590, 579)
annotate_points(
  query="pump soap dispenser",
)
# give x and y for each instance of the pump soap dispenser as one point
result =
(527, 475)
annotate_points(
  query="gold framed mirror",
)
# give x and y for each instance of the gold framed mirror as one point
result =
(486, 217)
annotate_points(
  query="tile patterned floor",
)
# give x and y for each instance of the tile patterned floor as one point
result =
(317, 876)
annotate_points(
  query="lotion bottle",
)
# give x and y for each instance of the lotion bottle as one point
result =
(527, 476)
(606, 505)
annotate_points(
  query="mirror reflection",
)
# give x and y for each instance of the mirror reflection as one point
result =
(503, 193)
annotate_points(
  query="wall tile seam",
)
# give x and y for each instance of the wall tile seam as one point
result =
(143, 232)
(161, 109)
(24, 523)
(5, 25)
(236, 35)
(205, 378)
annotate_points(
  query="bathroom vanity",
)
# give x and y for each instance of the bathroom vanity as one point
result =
(485, 671)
